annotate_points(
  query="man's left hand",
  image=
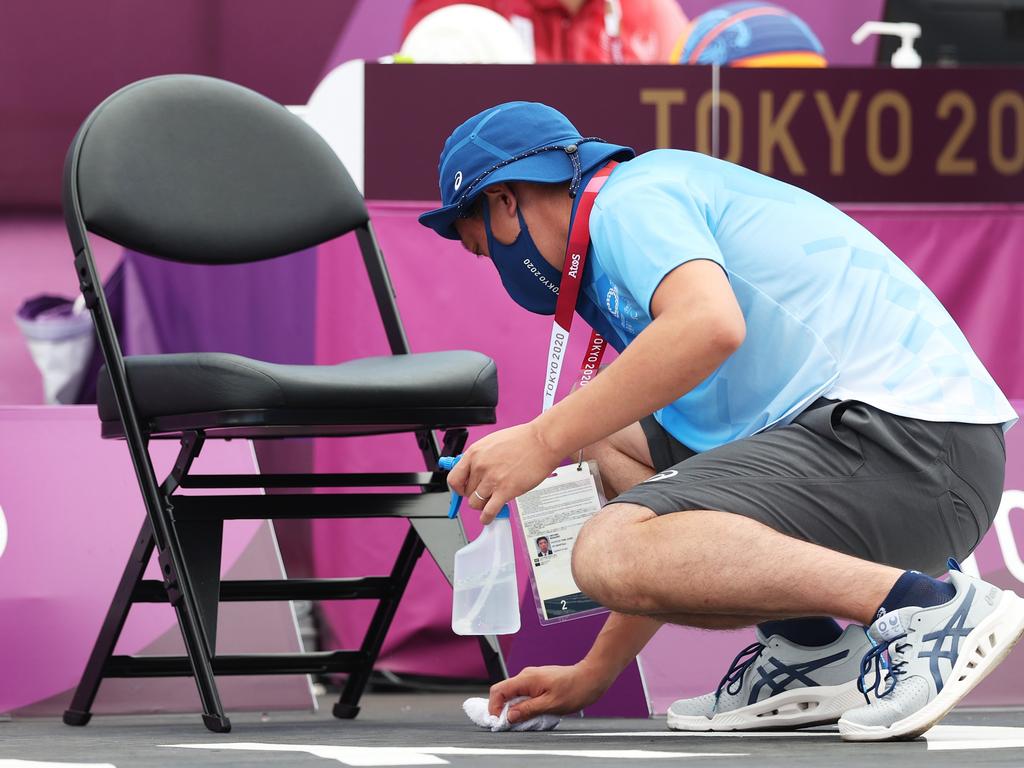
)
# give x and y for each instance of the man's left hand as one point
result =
(501, 466)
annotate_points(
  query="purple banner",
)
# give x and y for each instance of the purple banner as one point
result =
(847, 135)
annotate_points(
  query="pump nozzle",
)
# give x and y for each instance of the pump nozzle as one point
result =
(447, 464)
(904, 57)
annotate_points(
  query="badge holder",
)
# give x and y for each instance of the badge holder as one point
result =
(550, 519)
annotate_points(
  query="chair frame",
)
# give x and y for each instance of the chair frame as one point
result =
(186, 531)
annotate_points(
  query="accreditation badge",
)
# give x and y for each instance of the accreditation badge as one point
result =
(550, 519)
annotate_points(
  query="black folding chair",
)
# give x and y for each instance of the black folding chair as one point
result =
(202, 171)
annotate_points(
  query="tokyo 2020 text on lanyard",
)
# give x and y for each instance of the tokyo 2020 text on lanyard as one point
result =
(569, 291)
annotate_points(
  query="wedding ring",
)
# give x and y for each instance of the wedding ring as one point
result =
(480, 497)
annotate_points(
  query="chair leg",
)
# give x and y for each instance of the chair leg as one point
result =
(494, 661)
(347, 706)
(181, 592)
(182, 595)
(80, 711)
(200, 655)
(201, 662)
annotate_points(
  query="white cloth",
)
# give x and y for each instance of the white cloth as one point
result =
(476, 710)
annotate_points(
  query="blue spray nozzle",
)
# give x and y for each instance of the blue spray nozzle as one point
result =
(447, 463)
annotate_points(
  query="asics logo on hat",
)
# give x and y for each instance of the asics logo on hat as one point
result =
(458, 180)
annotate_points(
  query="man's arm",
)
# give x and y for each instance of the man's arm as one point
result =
(621, 638)
(697, 325)
(561, 690)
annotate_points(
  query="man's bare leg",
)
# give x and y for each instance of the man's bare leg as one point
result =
(708, 562)
(706, 568)
(625, 460)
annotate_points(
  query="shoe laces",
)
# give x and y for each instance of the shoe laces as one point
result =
(874, 662)
(732, 683)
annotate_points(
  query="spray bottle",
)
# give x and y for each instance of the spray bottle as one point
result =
(486, 595)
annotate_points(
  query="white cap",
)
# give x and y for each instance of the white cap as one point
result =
(465, 34)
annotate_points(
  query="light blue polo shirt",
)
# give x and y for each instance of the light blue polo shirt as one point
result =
(830, 311)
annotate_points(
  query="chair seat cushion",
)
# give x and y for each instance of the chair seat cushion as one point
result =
(204, 382)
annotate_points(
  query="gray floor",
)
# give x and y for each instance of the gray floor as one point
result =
(430, 729)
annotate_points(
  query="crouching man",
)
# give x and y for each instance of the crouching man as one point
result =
(795, 429)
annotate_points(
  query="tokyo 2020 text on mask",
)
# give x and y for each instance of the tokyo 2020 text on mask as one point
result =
(528, 278)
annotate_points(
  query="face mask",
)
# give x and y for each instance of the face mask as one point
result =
(529, 279)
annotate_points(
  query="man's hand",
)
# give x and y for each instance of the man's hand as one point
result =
(561, 690)
(552, 690)
(500, 467)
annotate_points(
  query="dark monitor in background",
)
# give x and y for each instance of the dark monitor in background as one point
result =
(960, 32)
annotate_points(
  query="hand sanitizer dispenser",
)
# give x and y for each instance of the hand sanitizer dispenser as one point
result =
(904, 57)
(485, 593)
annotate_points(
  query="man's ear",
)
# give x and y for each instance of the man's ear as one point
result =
(502, 197)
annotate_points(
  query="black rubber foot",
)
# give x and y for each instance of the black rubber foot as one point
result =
(217, 724)
(344, 711)
(74, 717)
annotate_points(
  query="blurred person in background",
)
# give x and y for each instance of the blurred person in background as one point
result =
(749, 33)
(582, 31)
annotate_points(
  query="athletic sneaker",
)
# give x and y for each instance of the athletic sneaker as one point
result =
(936, 656)
(775, 683)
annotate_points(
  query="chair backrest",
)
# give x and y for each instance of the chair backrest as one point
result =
(196, 169)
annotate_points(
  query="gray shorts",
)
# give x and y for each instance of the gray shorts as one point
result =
(847, 476)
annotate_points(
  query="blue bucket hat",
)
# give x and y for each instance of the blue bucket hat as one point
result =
(517, 141)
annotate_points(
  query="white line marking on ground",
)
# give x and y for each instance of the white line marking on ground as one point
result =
(944, 737)
(37, 764)
(941, 737)
(624, 754)
(376, 756)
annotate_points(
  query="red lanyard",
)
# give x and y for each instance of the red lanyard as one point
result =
(569, 291)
